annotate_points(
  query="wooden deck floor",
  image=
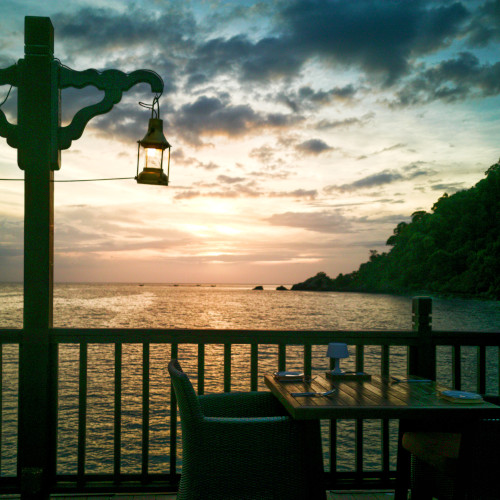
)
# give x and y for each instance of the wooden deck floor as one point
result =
(332, 495)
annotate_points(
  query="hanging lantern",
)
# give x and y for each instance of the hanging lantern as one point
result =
(150, 152)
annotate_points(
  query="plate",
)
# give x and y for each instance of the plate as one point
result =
(286, 376)
(289, 374)
(458, 396)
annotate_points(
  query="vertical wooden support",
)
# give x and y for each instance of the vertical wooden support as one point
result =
(308, 360)
(359, 441)
(498, 362)
(281, 357)
(254, 366)
(360, 358)
(227, 367)
(201, 369)
(117, 426)
(38, 156)
(82, 413)
(481, 369)
(456, 363)
(173, 418)
(422, 357)
(385, 432)
(333, 452)
(145, 411)
(1, 402)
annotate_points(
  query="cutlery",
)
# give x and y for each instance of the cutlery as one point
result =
(312, 394)
(398, 380)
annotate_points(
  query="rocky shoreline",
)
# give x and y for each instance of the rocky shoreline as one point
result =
(319, 283)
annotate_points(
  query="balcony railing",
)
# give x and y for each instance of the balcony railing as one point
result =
(115, 417)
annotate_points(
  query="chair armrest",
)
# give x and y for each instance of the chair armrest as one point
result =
(241, 405)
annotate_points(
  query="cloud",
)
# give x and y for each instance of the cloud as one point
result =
(452, 80)
(374, 180)
(265, 154)
(379, 37)
(485, 27)
(110, 229)
(408, 172)
(382, 39)
(308, 98)
(313, 147)
(100, 28)
(383, 150)
(267, 58)
(347, 122)
(448, 187)
(249, 190)
(208, 166)
(321, 222)
(417, 169)
(211, 115)
(194, 162)
(297, 193)
(226, 179)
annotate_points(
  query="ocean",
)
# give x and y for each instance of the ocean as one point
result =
(133, 305)
(110, 305)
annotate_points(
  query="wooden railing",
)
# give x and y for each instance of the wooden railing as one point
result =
(419, 352)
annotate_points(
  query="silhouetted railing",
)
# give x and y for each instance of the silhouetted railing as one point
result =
(91, 370)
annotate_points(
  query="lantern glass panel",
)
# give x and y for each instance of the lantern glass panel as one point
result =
(153, 158)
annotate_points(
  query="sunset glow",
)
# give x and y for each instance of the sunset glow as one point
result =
(302, 133)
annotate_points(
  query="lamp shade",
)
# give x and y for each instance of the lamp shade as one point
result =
(337, 350)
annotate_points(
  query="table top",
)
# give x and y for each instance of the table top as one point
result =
(375, 398)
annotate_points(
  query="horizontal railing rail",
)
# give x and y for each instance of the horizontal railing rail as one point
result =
(114, 382)
(289, 337)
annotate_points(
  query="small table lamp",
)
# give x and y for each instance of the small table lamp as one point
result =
(337, 351)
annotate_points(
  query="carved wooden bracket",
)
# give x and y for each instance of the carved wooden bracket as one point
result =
(112, 82)
(9, 76)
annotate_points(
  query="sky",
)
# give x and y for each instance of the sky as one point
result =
(302, 133)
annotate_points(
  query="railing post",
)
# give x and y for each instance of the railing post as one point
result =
(422, 357)
(38, 119)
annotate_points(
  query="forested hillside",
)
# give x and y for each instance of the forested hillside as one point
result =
(454, 249)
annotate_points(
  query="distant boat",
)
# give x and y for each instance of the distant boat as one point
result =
(141, 284)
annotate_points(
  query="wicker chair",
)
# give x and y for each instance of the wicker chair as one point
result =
(459, 465)
(241, 446)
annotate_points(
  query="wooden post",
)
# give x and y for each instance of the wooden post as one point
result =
(38, 155)
(422, 358)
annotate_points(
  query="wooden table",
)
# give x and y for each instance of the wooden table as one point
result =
(415, 404)
(376, 398)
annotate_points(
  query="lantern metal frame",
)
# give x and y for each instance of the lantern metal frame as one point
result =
(154, 139)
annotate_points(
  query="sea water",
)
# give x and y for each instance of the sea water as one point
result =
(111, 305)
